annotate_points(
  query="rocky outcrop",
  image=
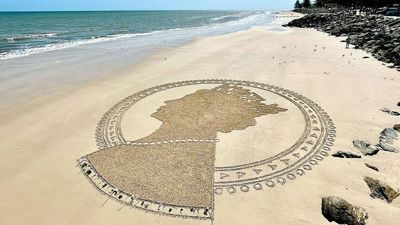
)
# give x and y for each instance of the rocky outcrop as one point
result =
(343, 154)
(376, 34)
(340, 211)
(381, 190)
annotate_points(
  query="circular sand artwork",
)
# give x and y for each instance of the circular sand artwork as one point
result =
(172, 149)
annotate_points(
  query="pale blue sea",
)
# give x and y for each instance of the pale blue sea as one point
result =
(41, 53)
(27, 33)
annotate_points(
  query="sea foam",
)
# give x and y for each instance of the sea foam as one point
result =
(242, 21)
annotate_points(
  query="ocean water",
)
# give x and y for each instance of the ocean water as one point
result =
(44, 54)
(27, 33)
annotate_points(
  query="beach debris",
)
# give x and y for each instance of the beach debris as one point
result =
(389, 140)
(396, 127)
(340, 211)
(345, 154)
(366, 148)
(381, 190)
(390, 112)
(372, 167)
(398, 104)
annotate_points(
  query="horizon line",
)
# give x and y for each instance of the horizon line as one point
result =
(133, 10)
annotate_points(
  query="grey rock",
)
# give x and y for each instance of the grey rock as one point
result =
(390, 112)
(381, 190)
(343, 154)
(372, 33)
(389, 148)
(389, 135)
(340, 211)
(396, 127)
(388, 140)
(394, 113)
(386, 110)
(366, 148)
(372, 167)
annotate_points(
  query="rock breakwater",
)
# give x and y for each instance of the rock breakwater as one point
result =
(376, 34)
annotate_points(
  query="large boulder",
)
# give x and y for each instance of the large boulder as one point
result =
(340, 211)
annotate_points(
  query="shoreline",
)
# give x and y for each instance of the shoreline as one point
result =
(57, 73)
(375, 34)
(168, 35)
(47, 139)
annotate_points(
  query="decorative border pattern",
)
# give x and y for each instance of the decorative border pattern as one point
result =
(313, 146)
(102, 185)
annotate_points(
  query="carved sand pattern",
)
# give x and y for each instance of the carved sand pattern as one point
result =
(187, 139)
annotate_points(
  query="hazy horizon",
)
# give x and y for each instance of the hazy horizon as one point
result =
(151, 5)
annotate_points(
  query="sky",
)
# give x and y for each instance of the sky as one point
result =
(68, 5)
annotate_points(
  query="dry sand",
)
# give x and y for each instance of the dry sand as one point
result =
(41, 185)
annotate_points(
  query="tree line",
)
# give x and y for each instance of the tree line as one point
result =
(346, 3)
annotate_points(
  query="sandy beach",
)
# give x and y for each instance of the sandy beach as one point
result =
(41, 141)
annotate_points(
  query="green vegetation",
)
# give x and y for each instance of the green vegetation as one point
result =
(306, 4)
(347, 3)
(367, 3)
(297, 4)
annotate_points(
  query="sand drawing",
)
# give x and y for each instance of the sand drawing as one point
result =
(172, 170)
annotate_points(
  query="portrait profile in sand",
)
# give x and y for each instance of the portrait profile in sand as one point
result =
(175, 164)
